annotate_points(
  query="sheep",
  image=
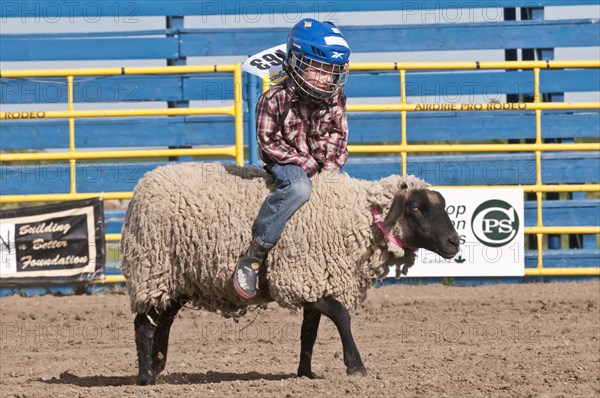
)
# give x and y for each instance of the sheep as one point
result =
(187, 225)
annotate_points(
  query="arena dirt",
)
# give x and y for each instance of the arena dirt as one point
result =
(502, 340)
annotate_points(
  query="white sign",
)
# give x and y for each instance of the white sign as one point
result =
(52, 243)
(268, 63)
(490, 223)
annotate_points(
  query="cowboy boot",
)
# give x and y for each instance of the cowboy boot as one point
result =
(245, 276)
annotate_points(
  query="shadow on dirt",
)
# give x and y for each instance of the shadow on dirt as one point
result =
(173, 378)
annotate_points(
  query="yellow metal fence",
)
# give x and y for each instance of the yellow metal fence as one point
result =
(235, 110)
(403, 148)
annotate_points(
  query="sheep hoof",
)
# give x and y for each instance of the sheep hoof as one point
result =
(358, 371)
(160, 366)
(306, 373)
(146, 380)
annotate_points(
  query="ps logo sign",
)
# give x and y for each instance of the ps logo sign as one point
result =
(495, 223)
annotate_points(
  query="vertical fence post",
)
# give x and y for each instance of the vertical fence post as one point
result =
(72, 169)
(538, 164)
(403, 142)
(252, 93)
(239, 115)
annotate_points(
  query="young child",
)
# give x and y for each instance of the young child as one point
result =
(301, 131)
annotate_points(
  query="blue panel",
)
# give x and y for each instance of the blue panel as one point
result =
(121, 132)
(81, 49)
(564, 212)
(453, 87)
(364, 128)
(129, 11)
(504, 169)
(499, 35)
(50, 177)
(113, 226)
(113, 176)
(432, 126)
(91, 89)
(212, 42)
(450, 87)
(91, 177)
(564, 258)
(556, 81)
(118, 89)
(387, 38)
(209, 88)
(113, 221)
(92, 35)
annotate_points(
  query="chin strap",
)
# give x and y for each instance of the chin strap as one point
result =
(391, 238)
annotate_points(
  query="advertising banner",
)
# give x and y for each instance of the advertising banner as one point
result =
(490, 224)
(57, 243)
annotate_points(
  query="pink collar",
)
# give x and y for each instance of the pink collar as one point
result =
(393, 239)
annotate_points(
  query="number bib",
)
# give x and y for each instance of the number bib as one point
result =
(267, 64)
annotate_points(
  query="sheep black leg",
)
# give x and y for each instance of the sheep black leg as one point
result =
(145, 328)
(308, 336)
(160, 343)
(340, 316)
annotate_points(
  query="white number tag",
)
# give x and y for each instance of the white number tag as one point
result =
(267, 63)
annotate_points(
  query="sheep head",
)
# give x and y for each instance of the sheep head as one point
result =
(419, 217)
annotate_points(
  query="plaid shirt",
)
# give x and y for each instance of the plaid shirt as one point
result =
(312, 137)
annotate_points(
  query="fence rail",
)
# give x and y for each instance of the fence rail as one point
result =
(236, 110)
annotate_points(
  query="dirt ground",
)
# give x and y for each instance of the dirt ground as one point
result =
(502, 340)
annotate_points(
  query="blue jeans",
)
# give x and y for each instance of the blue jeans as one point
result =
(292, 190)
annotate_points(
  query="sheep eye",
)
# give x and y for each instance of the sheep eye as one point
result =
(416, 209)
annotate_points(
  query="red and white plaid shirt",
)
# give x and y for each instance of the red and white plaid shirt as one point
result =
(313, 137)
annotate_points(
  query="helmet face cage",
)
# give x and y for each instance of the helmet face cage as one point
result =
(317, 80)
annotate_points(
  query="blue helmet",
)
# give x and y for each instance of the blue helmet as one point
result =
(317, 58)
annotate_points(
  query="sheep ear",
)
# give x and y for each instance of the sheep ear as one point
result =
(396, 211)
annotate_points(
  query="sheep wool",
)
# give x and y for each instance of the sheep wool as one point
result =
(188, 224)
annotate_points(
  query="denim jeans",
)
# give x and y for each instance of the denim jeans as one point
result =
(292, 190)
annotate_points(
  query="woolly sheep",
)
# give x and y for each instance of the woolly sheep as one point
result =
(187, 225)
